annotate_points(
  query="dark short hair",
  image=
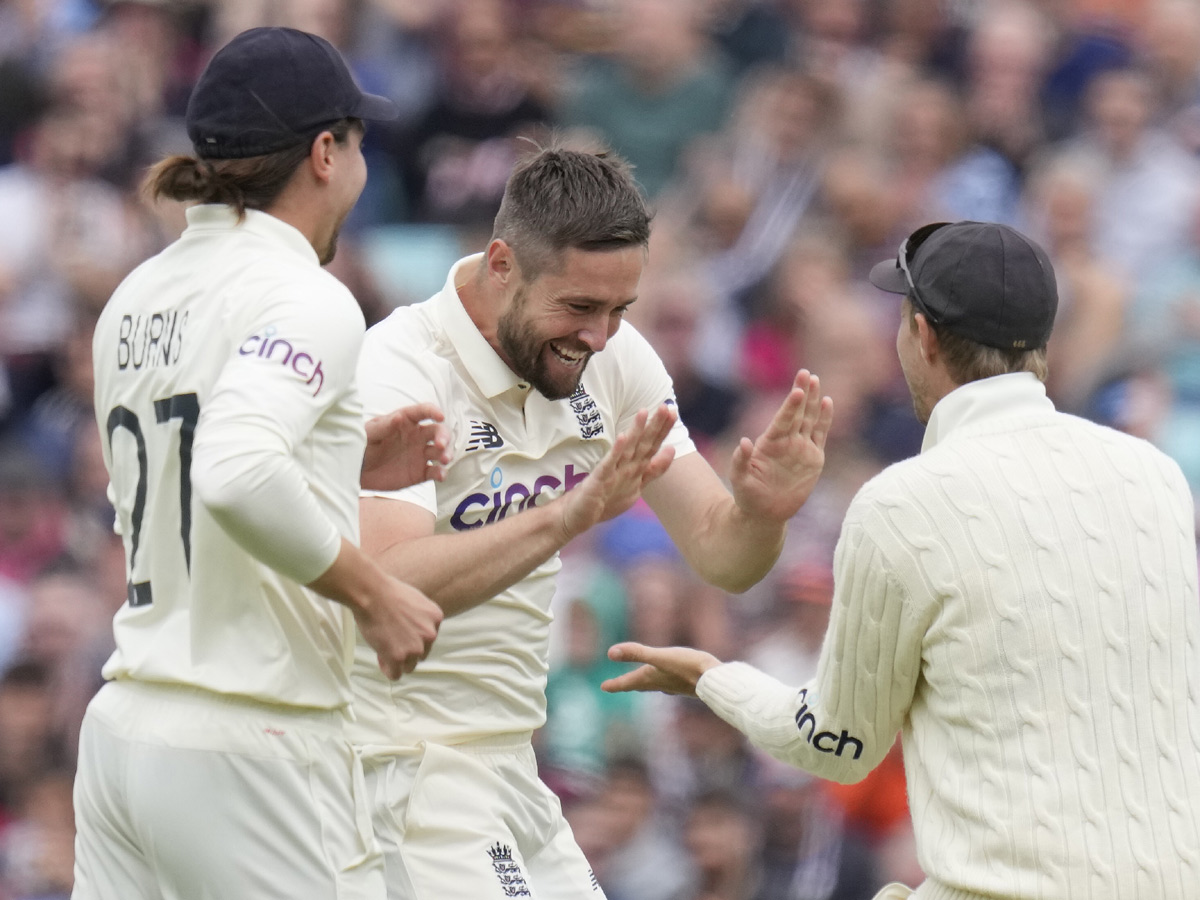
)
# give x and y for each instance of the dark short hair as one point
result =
(253, 182)
(558, 199)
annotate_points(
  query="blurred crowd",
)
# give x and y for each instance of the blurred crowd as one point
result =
(786, 145)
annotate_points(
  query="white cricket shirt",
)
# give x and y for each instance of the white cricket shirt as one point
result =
(486, 674)
(233, 437)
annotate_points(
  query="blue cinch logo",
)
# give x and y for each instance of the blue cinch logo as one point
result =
(484, 509)
(280, 350)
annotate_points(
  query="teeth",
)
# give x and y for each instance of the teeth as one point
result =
(570, 359)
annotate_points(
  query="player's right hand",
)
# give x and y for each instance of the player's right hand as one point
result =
(637, 457)
(400, 623)
(396, 619)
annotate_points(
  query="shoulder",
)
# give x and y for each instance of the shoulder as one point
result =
(627, 355)
(407, 351)
(406, 330)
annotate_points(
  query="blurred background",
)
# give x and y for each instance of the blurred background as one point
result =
(786, 145)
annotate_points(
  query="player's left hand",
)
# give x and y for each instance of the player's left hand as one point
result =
(672, 670)
(406, 447)
(772, 476)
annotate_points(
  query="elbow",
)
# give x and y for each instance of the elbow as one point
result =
(223, 484)
(213, 488)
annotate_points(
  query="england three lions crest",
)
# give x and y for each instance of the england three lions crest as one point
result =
(586, 413)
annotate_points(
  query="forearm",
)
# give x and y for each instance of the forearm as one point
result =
(790, 724)
(353, 579)
(461, 570)
(263, 502)
(731, 550)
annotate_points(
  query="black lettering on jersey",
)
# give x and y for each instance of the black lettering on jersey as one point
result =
(150, 341)
(484, 436)
(586, 413)
(824, 741)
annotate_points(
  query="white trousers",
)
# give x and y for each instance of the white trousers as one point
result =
(473, 822)
(182, 794)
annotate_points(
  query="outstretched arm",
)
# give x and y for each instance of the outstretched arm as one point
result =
(732, 536)
(461, 570)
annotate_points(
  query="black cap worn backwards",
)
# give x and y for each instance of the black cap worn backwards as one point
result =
(986, 282)
(273, 88)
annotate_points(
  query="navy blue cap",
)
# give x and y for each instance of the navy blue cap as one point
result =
(984, 281)
(273, 88)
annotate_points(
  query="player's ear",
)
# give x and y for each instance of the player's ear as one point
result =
(501, 262)
(930, 348)
(321, 155)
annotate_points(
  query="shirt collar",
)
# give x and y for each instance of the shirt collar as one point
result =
(491, 374)
(1004, 396)
(218, 217)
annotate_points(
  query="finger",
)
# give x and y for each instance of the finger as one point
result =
(812, 405)
(390, 668)
(788, 417)
(419, 412)
(649, 440)
(625, 446)
(436, 439)
(740, 463)
(824, 422)
(640, 679)
(665, 418)
(659, 464)
(629, 651)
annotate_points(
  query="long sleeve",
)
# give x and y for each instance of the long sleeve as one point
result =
(842, 723)
(293, 362)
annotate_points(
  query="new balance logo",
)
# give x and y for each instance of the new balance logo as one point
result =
(484, 436)
(824, 741)
(508, 871)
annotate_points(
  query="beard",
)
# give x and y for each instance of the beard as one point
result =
(329, 251)
(529, 356)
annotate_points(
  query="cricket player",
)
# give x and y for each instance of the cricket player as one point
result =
(561, 417)
(214, 764)
(1019, 601)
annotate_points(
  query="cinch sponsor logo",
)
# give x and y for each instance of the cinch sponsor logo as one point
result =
(281, 351)
(484, 509)
(824, 741)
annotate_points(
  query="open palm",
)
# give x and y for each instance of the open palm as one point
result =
(772, 476)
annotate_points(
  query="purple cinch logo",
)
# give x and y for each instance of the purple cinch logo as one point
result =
(280, 350)
(483, 509)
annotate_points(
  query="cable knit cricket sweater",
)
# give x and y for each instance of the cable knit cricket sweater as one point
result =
(1021, 601)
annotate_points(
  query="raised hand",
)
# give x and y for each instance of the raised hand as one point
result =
(405, 447)
(771, 477)
(636, 458)
(671, 670)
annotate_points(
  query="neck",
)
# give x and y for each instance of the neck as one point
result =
(479, 300)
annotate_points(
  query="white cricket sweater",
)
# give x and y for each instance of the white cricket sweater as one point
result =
(1021, 601)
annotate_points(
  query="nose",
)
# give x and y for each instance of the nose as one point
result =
(598, 330)
(593, 339)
